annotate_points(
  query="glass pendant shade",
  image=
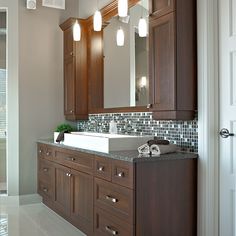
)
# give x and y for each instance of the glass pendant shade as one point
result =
(142, 27)
(76, 31)
(97, 21)
(122, 8)
(120, 37)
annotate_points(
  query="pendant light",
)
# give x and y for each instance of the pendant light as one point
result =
(77, 29)
(122, 8)
(120, 37)
(97, 20)
(142, 27)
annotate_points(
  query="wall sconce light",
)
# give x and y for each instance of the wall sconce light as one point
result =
(143, 82)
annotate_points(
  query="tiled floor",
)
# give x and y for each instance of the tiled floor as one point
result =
(32, 220)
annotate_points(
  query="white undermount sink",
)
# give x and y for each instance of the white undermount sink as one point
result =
(103, 142)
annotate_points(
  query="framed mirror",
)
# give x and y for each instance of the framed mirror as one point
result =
(126, 67)
(119, 76)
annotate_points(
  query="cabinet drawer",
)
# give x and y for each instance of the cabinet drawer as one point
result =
(45, 189)
(123, 174)
(45, 151)
(45, 171)
(107, 225)
(102, 168)
(114, 199)
(76, 160)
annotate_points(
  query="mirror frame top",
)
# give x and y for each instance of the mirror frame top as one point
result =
(95, 73)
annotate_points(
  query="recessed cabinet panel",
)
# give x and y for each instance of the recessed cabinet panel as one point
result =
(68, 43)
(82, 200)
(162, 57)
(62, 189)
(69, 86)
(161, 7)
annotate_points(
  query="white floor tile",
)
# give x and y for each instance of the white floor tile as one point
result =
(33, 220)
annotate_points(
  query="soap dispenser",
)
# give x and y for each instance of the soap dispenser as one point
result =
(113, 127)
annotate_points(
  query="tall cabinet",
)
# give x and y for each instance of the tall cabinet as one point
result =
(75, 72)
(173, 59)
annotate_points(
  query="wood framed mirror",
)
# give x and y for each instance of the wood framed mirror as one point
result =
(116, 82)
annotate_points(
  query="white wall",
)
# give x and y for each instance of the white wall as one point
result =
(87, 8)
(40, 83)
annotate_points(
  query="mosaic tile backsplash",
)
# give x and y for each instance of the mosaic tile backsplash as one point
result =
(182, 133)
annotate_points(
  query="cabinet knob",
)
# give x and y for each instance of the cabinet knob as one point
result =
(101, 169)
(149, 106)
(121, 174)
(71, 111)
(40, 151)
(72, 54)
(111, 199)
(111, 231)
(45, 169)
(45, 190)
(68, 174)
(48, 153)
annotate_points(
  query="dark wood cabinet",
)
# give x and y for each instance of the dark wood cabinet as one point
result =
(62, 189)
(161, 7)
(116, 197)
(162, 65)
(82, 201)
(75, 72)
(173, 60)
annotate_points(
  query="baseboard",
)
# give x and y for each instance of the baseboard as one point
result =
(29, 199)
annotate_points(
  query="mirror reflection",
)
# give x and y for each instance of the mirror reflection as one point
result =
(126, 60)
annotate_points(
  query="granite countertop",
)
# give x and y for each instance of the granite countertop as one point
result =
(130, 156)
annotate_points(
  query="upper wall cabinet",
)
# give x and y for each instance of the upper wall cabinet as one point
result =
(75, 72)
(173, 60)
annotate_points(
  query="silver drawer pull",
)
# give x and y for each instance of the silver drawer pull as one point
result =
(121, 175)
(40, 151)
(68, 174)
(101, 168)
(111, 199)
(45, 169)
(111, 231)
(48, 153)
(71, 159)
(45, 190)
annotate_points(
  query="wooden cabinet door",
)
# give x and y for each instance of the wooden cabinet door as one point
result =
(69, 86)
(62, 189)
(162, 63)
(159, 8)
(82, 201)
(69, 44)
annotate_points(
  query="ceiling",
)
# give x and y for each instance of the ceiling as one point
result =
(87, 8)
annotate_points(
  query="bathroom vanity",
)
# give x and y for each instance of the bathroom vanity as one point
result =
(120, 193)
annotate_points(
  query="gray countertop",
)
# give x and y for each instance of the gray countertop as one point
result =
(130, 156)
